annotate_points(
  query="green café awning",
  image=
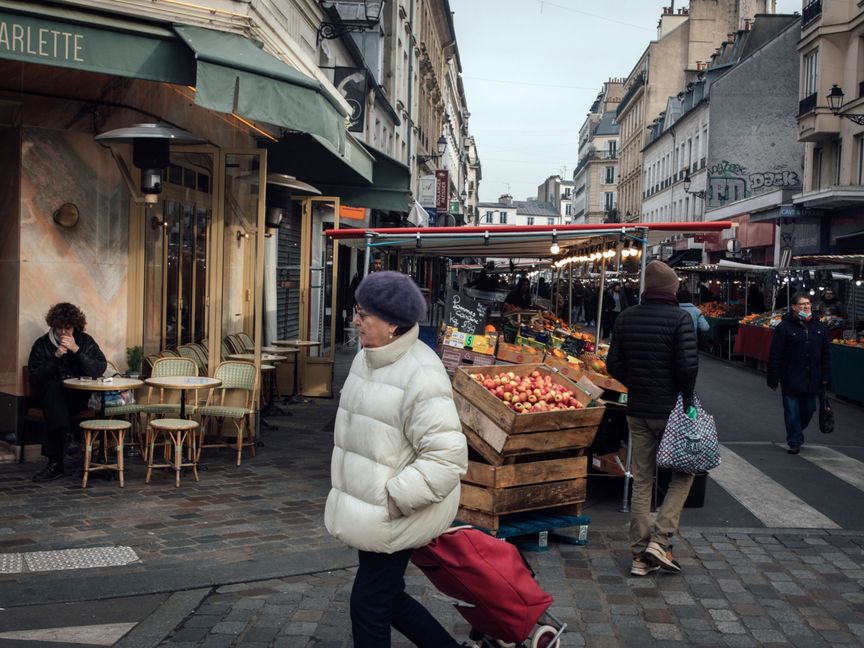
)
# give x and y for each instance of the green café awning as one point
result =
(89, 41)
(387, 187)
(233, 75)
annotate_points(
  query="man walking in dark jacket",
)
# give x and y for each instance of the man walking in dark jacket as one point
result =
(65, 351)
(800, 363)
(653, 352)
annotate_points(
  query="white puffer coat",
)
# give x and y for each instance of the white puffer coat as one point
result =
(397, 434)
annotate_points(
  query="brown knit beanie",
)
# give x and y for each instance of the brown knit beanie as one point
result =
(659, 276)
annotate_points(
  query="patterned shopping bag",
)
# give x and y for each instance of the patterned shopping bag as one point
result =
(689, 445)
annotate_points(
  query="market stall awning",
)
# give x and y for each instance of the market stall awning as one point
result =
(377, 182)
(233, 75)
(512, 240)
(92, 41)
(728, 267)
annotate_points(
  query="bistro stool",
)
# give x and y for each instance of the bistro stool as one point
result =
(112, 433)
(174, 434)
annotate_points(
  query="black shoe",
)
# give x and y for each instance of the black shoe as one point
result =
(794, 448)
(52, 471)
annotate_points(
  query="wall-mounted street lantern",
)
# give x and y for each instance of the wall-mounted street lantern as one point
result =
(442, 146)
(367, 17)
(697, 194)
(835, 103)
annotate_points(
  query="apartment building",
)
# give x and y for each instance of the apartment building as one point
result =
(831, 126)
(685, 40)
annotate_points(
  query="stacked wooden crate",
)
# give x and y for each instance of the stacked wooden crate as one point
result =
(521, 462)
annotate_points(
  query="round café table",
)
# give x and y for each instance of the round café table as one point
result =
(102, 385)
(270, 349)
(303, 346)
(183, 383)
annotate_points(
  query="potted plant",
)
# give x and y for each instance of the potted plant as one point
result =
(134, 359)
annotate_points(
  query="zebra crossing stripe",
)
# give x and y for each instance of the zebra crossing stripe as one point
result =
(836, 463)
(774, 505)
(106, 634)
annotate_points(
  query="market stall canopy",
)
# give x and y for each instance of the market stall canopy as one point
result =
(840, 259)
(729, 267)
(511, 241)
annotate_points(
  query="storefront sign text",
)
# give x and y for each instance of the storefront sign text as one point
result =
(44, 42)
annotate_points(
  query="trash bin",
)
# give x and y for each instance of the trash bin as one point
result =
(696, 498)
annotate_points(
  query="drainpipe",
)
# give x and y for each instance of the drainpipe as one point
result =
(410, 133)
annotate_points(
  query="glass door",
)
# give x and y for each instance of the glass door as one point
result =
(176, 255)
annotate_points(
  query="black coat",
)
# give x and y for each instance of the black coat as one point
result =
(800, 357)
(653, 352)
(44, 367)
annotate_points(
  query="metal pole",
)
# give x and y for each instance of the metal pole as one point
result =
(746, 293)
(600, 302)
(644, 263)
(570, 295)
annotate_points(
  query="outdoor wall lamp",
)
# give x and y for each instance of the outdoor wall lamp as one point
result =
(697, 194)
(442, 146)
(366, 20)
(463, 195)
(835, 102)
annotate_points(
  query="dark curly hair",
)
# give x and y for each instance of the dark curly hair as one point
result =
(65, 314)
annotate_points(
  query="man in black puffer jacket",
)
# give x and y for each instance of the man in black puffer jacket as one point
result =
(65, 351)
(653, 352)
(800, 362)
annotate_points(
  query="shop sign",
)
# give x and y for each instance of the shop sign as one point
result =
(454, 206)
(352, 213)
(796, 211)
(464, 313)
(433, 216)
(442, 189)
(351, 83)
(32, 39)
(426, 191)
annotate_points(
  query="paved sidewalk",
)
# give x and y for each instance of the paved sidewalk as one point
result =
(244, 560)
(738, 588)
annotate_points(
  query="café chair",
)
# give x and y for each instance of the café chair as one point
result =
(112, 433)
(188, 351)
(246, 342)
(233, 400)
(175, 435)
(168, 400)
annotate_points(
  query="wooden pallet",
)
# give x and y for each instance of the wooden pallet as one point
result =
(533, 529)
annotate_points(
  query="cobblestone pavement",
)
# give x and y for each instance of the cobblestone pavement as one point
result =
(246, 549)
(738, 588)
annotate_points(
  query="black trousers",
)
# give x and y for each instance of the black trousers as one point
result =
(58, 405)
(379, 600)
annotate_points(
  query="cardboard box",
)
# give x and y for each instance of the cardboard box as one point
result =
(569, 367)
(484, 344)
(518, 354)
(612, 463)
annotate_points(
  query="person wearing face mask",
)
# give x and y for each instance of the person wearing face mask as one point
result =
(800, 363)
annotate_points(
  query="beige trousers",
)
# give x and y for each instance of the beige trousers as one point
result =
(644, 437)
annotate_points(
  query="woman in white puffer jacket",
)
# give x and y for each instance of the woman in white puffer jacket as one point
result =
(398, 455)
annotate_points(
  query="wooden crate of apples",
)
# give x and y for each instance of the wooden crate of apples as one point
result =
(528, 429)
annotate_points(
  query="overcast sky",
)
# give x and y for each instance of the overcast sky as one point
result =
(532, 69)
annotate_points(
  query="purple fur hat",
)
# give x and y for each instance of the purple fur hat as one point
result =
(392, 296)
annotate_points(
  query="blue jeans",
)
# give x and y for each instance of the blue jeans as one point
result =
(379, 600)
(798, 409)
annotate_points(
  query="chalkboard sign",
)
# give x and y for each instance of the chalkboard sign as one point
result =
(464, 313)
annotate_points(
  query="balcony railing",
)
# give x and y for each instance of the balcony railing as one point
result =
(807, 104)
(811, 12)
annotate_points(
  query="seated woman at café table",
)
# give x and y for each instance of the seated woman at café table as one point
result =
(65, 351)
